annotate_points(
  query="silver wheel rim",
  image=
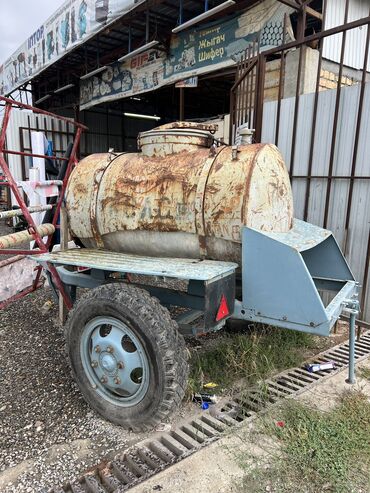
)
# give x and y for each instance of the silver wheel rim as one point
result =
(114, 361)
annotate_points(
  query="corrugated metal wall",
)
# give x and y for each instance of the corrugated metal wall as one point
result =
(355, 42)
(18, 137)
(358, 233)
(111, 129)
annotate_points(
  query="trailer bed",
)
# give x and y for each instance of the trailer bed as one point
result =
(179, 268)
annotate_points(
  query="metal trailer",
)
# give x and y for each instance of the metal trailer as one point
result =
(126, 352)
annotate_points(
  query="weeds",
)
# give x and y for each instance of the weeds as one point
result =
(364, 373)
(250, 357)
(317, 451)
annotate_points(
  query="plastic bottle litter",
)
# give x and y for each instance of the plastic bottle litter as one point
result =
(329, 365)
(202, 397)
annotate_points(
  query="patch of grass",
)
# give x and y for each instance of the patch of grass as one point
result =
(249, 356)
(317, 451)
(364, 373)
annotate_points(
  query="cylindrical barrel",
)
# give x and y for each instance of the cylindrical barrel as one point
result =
(189, 204)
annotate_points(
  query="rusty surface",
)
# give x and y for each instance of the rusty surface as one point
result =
(155, 143)
(178, 268)
(210, 127)
(185, 204)
(14, 239)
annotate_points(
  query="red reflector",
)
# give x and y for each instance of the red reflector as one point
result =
(223, 309)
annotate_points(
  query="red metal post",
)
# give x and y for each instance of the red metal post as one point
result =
(12, 184)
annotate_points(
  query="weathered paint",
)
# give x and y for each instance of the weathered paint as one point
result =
(18, 212)
(186, 204)
(178, 268)
(162, 142)
(14, 239)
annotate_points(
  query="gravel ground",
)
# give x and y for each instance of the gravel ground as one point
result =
(47, 431)
(48, 434)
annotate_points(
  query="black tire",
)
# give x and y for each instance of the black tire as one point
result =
(158, 334)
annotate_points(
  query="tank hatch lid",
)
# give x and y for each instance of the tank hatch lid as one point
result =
(180, 268)
(208, 127)
(176, 137)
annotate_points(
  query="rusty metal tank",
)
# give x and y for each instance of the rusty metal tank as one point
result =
(181, 196)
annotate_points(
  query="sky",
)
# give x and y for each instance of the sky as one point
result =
(21, 18)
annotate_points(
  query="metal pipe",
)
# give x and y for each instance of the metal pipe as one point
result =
(335, 120)
(147, 26)
(25, 236)
(296, 111)
(358, 128)
(314, 121)
(181, 13)
(43, 112)
(260, 93)
(31, 210)
(13, 185)
(322, 34)
(30, 154)
(71, 162)
(281, 78)
(352, 337)
(253, 77)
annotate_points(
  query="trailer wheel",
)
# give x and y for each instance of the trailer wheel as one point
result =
(127, 355)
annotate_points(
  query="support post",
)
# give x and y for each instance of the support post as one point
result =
(63, 311)
(182, 104)
(352, 337)
(352, 308)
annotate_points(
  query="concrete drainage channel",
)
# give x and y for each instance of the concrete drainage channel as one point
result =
(150, 457)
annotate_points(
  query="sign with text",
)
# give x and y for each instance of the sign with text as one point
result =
(201, 50)
(72, 24)
(191, 82)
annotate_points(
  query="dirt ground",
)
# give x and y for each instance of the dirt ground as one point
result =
(47, 431)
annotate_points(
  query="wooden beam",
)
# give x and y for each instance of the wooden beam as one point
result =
(313, 13)
(291, 3)
(309, 10)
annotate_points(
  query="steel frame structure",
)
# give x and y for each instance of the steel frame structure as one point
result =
(42, 247)
(247, 98)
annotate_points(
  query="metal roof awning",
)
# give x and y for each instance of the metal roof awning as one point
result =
(81, 34)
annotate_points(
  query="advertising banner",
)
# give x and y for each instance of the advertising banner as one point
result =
(72, 24)
(191, 82)
(191, 53)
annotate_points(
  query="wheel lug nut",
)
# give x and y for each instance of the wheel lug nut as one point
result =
(103, 379)
(97, 349)
(110, 349)
(94, 364)
(117, 381)
(120, 365)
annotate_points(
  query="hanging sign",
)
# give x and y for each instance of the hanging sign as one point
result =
(71, 25)
(190, 82)
(204, 49)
